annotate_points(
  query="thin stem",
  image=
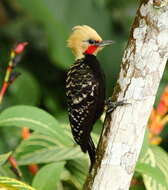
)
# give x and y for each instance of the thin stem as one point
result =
(9, 78)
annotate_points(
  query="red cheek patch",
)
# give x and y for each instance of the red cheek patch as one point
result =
(91, 50)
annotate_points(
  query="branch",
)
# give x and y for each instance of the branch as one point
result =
(142, 67)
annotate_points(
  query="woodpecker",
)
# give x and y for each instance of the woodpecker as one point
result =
(85, 86)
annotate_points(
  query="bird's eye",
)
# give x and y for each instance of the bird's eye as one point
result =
(91, 41)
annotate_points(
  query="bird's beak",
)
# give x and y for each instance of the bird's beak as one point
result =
(105, 43)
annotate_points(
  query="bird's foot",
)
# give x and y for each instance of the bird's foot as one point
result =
(110, 106)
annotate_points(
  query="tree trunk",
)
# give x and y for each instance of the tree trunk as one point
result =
(141, 71)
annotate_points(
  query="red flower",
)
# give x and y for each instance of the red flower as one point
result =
(162, 108)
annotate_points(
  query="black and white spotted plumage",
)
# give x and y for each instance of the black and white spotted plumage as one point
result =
(85, 90)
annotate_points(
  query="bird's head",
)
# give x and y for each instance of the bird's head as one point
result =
(85, 40)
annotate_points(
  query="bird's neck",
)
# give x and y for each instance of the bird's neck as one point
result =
(91, 61)
(91, 50)
(84, 56)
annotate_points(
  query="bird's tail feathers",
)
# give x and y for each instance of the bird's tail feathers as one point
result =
(91, 151)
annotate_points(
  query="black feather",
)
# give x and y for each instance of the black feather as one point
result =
(85, 90)
(91, 152)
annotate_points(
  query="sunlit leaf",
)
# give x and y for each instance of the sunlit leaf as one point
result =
(156, 158)
(154, 172)
(13, 184)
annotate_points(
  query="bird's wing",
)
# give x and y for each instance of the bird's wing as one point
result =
(82, 88)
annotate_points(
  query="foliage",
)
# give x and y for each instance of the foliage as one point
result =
(37, 141)
(4, 157)
(50, 172)
(13, 184)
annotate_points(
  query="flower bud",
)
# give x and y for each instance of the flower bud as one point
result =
(20, 47)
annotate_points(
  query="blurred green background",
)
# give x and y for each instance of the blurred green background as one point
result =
(46, 25)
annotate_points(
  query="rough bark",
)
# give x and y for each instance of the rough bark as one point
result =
(142, 68)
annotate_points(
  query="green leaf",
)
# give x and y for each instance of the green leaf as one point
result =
(153, 172)
(32, 150)
(48, 176)
(79, 170)
(5, 170)
(14, 184)
(4, 157)
(49, 154)
(156, 158)
(35, 119)
(35, 142)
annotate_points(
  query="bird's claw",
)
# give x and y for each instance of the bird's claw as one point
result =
(111, 106)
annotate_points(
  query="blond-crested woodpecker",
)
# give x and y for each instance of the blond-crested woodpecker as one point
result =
(85, 86)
